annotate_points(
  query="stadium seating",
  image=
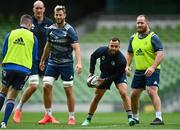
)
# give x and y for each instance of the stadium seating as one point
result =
(167, 34)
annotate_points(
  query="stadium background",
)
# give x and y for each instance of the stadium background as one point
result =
(96, 22)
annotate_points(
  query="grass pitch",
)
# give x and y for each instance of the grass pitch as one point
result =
(100, 121)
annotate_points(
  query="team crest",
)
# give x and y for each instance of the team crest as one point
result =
(103, 57)
(112, 63)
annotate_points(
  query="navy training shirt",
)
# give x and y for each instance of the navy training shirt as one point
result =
(112, 66)
(40, 31)
(61, 40)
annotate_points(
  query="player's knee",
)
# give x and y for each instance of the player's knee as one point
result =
(98, 97)
(34, 79)
(151, 92)
(68, 83)
(134, 96)
(33, 86)
(48, 81)
(123, 95)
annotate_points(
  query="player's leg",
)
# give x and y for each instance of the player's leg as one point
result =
(21, 77)
(50, 75)
(3, 93)
(135, 96)
(93, 105)
(10, 102)
(47, 96)
(6, 79)
(123, 91)
(153, 93)
(33, 84)
(138, 86)
(67, 76)
(152, 89)
(70, 103)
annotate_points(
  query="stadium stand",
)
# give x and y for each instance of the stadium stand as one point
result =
(167, 34)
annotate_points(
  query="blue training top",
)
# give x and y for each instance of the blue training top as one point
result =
(61, 40)
(112, 66)
(40, 31)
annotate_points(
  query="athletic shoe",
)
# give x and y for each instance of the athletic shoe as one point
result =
(136, 121)
(3, 125)
(48, 119)
(17, 116)
(131, 121)
(157, 121)
(86, 122)
(71, 121)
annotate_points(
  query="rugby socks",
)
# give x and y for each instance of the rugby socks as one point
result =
(129, 113)
(136, 116)
(8, 110)
(2, 98)
(158, 115)
(20, 105)
(71, 115)
(89, 116)
(48, 111)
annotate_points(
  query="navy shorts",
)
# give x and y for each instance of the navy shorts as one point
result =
(14, 78)
(36, 70)
(66, 72)
(107, 84)
(141, 81)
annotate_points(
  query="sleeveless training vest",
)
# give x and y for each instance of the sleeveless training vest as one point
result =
(143, 52)
(20, 48)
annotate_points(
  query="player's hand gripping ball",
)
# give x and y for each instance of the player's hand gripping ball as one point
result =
(92, 81)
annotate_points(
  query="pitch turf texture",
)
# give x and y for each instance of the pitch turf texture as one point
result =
(101, 121)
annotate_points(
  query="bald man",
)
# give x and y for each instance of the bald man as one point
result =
(39, 28)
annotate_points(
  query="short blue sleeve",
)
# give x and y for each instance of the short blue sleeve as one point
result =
(130, 50)
(5, 46)
(73, 35)
(156, 43)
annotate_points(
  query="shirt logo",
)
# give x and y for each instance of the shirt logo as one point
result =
(155, 82)
(112, 63)
(103, 57)
(19, 41)
(139, 52)
(71, 77)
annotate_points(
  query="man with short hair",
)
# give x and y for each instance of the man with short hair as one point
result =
(112, 67)
(62, 41)
(19, 52)
(39, 28)
(147, 50)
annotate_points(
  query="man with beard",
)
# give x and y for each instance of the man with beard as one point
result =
(112, 67)
(147, 50)
(39, 28)
(62, 41)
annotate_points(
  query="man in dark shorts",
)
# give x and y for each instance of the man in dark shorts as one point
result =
(112, 67)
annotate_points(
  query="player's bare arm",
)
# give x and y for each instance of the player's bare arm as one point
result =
(76, 48)
(45, 55)
(157, 61)
(129, 57)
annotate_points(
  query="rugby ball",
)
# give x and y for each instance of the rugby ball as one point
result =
(92, 81)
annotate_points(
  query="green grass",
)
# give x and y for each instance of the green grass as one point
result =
(101, 121)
